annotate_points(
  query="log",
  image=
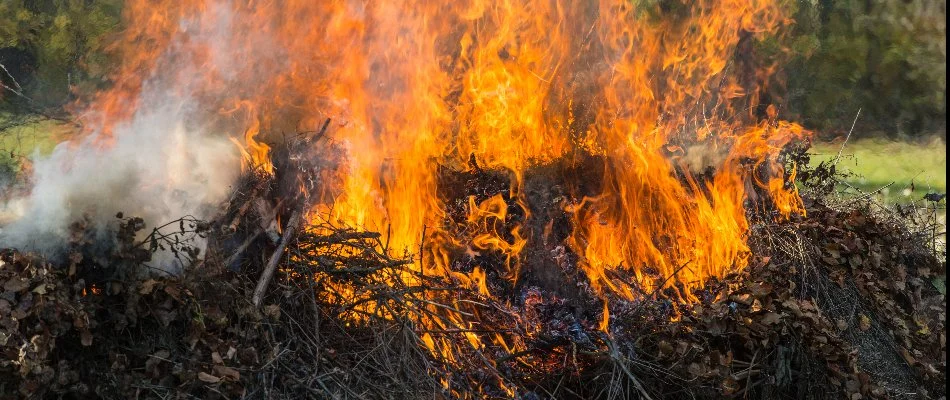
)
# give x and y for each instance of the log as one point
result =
(289, 232)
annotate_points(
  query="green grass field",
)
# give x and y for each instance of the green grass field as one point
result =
(905, 170)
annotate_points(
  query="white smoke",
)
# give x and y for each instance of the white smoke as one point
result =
(160, 166)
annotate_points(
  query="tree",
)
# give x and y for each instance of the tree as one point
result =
(53, 47)
(885, 57)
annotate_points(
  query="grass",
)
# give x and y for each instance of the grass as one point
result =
(21, 140)
(898, 172)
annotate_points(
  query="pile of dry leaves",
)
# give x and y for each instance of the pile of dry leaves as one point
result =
(844, 303)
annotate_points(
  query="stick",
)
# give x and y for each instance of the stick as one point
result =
(620, 360)
(268, 273)
(838, 157)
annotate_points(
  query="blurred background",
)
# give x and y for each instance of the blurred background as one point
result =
(869, 76)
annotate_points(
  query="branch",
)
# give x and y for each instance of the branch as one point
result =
(289, 232)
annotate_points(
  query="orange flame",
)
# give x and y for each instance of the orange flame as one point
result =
(414, 85)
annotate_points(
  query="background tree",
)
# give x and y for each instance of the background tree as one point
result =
(52, 48)
(886, 57)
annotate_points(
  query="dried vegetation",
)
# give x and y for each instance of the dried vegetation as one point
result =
(847, 302)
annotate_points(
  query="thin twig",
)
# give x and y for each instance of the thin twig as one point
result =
(838, 157)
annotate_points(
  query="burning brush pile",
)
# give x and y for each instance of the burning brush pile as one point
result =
(527, 199)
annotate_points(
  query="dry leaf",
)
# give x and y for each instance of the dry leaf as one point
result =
(864, 323)
(16, 284)
(756, 305)
(174, 292)
(208, 378)
(771, 318)
(41, 289)
(665, 348)
(907, 357)
(85, 337)
(272, 311)
(227, 373)
(696, 370)
(729, 386)
(842, 324)
(148, 286)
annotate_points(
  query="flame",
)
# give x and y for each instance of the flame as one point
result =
(413, 86)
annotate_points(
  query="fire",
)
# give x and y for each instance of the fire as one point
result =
(414, 86)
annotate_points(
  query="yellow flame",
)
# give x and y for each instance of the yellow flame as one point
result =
(413, 86)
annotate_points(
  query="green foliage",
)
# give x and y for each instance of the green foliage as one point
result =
(67, 38)
(886, 57)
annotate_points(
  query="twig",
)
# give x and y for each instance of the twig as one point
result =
(748, 378)
(869, 194)
(12, 79)
(18, 91)
(619, 360)
(271, 267)
(838, 157)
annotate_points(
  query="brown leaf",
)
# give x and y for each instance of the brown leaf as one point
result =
(16, 284)
(227, 373)
(665, 348)
(148, 286)
(852, 386)
(831, 260)
(248, 356)
(696, 370)
(216, 358)
(272, 311)
(174, 292)
(41, 289)
(208, 378)
(792, 306)
(85, 337)
(907, 357)
(771, 318)
(729, 386)
(864, 323)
